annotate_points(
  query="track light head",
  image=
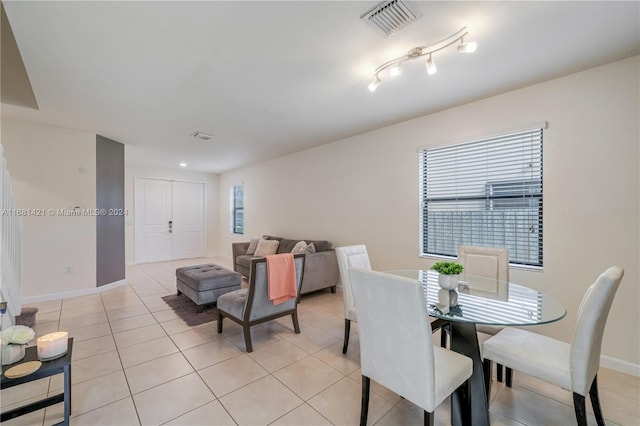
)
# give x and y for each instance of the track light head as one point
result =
(374, 84)
(431, 66)
(395, 70)
(467, 47)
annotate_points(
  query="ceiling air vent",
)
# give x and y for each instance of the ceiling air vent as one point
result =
(201, 136)
(391, 16)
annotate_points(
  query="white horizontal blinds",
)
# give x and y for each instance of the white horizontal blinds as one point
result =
(484, 193)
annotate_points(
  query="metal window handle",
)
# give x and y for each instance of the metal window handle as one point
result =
(170, 226)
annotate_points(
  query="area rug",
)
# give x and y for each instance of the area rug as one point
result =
(187, 310)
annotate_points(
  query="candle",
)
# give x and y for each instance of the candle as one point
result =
(52, 345)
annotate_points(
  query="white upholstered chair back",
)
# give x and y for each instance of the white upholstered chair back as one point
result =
(485, 261)
(587, 338)
(349, 257)
(396, 349)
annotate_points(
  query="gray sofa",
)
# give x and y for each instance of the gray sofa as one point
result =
(320, 268)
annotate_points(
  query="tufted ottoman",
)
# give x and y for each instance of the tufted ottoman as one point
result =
(205, 283)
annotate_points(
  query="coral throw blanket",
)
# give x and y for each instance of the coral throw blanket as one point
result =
(281, 274)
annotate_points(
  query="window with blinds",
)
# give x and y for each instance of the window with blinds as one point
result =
(484, 193)
(237, 209)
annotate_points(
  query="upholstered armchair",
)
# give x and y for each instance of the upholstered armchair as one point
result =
(251, 306)
(570, 366)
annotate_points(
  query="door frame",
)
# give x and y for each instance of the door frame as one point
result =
(166, 179)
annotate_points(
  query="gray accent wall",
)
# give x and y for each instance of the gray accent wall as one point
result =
(110, 266)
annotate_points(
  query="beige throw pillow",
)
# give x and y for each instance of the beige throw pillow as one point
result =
(311, 248)
(266, 247)
(299, 247)
(253, 245)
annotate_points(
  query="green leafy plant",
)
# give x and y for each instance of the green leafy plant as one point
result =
(447, 267)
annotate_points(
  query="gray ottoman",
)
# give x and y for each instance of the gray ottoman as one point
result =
(205, 283)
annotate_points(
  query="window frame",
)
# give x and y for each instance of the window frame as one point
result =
(236, 223)
(520, 196)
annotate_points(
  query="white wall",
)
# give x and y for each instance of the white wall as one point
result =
(211, 194)
(364, 189)
(45, 164)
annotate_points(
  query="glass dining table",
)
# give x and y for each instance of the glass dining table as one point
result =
(480, 300)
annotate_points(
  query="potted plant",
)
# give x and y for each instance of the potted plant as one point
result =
(449, 273)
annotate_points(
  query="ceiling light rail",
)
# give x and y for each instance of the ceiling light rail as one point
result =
(395, 65)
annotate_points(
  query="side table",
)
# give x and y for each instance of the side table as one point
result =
(48, 368)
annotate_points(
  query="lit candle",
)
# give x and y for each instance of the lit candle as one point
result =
(52, 345)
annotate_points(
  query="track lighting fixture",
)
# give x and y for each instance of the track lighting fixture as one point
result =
(395, 65)
(431, 66)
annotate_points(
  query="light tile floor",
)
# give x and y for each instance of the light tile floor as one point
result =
(135, 362)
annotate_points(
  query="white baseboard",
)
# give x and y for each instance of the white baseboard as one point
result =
(620, 365)
(72, 293)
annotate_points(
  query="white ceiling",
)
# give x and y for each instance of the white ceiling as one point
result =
(271, 78)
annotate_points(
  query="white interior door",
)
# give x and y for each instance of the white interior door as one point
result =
(188, 220)
(169, 220)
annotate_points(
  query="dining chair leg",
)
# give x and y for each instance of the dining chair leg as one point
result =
(296, 325)
(509, 377)
(486, 370)
(364, 408)
(499, 372)
(219, 321)
(428, 418)
(595, 401)
(347, 331)
(580, 409)
(247, 338)
(443, 335)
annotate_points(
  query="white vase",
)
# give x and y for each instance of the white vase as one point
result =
(12, 353)
(448, 282)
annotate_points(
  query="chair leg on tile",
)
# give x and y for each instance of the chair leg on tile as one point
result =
(580, 409)
(499, 372)
(364, 408)
(219, 322)
(509, 377)
(486, 370)
(333, 289)
(296, 325)
(595, 401)
(247, 338)
(428, 418)
(347, 331)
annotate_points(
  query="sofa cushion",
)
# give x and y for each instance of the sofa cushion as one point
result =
(321, 245)
(299, 247)
(286, 245)
(244, 260)
(266, 248)
(253, 245)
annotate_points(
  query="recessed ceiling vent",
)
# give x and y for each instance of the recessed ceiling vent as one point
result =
(201, 136)
(391, 16)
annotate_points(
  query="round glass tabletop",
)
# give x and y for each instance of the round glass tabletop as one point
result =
(486, 300)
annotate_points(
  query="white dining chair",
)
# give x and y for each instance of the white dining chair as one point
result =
(571, 366)
(486, 262)
(354, 256)
(396, 349)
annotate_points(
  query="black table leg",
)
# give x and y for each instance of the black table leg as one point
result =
(464, 340)
(67, 394)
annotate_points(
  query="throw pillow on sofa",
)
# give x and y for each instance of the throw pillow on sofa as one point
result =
(266, 247)
(311, 248)
(252, 246)
(299, 247)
